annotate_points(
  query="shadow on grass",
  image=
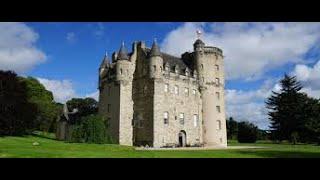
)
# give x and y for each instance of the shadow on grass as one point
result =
(281, 154)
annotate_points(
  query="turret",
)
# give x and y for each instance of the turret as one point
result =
(103, 69)
(208, 62)
(155, 61)
(122, 64)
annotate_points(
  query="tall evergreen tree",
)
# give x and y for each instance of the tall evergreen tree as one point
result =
(285, 109)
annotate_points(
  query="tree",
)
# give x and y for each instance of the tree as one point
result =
(232, 128)
(17, 114)
(91, 129)
(43, 99)
(247, 132)
(285, 109)
(86, 106)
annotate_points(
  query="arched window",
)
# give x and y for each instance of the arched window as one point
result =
(201, 66)
(120, 71)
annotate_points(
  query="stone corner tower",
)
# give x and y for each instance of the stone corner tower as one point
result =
(208, 62)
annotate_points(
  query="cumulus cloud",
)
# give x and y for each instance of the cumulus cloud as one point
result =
(62, 90)
(249, 105)
(18, 49)
(309, 77)
(251, 49)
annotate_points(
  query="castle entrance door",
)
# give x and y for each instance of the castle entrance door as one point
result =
(182, 138)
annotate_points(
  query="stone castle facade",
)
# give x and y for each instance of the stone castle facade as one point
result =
(152, 98)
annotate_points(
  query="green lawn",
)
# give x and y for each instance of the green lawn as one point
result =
(48, 147)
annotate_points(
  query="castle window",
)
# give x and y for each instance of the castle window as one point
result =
(217, 67)
(218, 109)
(201, 66)
(176, 89)
(166, 118)
(108, 107)
(109, 91)
(120, 71)
(218, 125)
(217, 81)
(186, 91)
(181, 118)
(154, 68)
(166, 87)
(194, 92)
(160, 69)
(195, 120)
(218, 95)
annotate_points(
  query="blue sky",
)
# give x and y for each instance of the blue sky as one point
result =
(65, 57)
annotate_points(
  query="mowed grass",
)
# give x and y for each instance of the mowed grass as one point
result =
(22, 147)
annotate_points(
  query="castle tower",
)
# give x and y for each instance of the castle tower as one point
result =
(155, 61)
(208, 62)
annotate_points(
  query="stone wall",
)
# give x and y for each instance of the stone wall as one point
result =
(186, 103)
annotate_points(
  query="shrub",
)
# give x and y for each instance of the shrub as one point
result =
(91, 129)
(247, 132)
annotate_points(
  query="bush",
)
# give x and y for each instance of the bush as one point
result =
(247, 132)
(91, 129)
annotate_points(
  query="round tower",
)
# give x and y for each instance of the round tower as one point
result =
(209, 66)
(155, 61)
(122, 64)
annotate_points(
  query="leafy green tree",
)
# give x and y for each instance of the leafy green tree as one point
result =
(48, 110)
(232, 128)
(17, 114)
(91, 129)
(85, 106)
(285, 109)
(247, 132)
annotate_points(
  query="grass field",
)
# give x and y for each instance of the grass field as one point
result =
(49, 148)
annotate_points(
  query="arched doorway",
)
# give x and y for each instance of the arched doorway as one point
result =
(182, 138)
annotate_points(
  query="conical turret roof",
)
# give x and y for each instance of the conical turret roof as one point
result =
(123, 54)
(155, 50)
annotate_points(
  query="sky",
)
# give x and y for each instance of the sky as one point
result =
(65, 57)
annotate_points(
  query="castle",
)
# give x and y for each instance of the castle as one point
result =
(152, 98)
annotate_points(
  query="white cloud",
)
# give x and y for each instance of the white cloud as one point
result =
(18, 51)
(249, 105)
(251, 49)
(62, 90)
(309, 77)
(71, 37)
(94, 95)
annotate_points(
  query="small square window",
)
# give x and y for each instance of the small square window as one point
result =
(166, 118)
(218, 95)
(217, 67)
(218, 109)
